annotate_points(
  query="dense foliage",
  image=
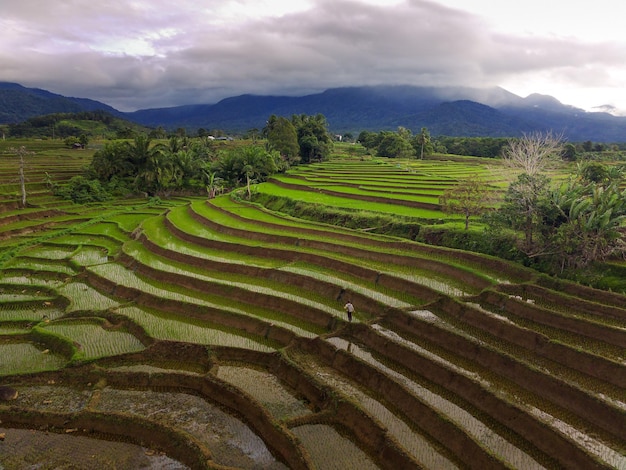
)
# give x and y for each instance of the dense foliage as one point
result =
(63, 125)
(182, 165)
(400, 144)
(567, 226)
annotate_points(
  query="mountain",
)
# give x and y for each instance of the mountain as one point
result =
(18, 103)
(451, 111)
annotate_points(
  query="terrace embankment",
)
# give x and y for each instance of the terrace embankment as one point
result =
(273, 302)
(488, 401)
(358, 197)
(436, 426)
(253, 326)
(380, 254)
(604, 415)
(586, 362)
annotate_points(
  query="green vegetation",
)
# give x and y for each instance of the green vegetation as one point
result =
(226, 289)
(82, 127)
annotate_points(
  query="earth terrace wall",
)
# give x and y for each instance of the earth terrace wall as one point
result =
(371, 435)
(591, 301)
(429, 421)
(594, 366)
(296, 229)
(329, 409)
(585, 292)
(244, 323)
(273, 302)
(139, 430)
(319, 286)
(383, 257)
(134, 429)
(552, 444)
(615, 336)
(482, 260)
(355, 271)
(560, 393)
(243, 405)
(43, 214)
(358, 197)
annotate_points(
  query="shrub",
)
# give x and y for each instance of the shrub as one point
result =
(82, 190)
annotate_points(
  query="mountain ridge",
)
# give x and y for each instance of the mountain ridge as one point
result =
(452, 111)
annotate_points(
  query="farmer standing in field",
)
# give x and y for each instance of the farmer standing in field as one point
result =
(349, 308)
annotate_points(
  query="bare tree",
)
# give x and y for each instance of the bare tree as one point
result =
(532, 152)
(21, 153)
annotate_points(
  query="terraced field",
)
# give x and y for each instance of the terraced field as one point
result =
(211, 334)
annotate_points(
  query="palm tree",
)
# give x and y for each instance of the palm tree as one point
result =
(149, 162)
(423, 138)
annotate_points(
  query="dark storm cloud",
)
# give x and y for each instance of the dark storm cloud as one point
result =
(139, 54)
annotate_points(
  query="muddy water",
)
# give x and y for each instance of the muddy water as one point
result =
(414, 443)
(231, 442)
(52, 397)
(614, 458)
(31, 449)
(266, 389)
(329, 450)
(505, 450)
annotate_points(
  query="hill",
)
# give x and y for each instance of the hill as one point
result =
(451, 111)
(96, 123)
(18, 103)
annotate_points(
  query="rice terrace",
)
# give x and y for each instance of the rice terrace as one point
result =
(195, 332)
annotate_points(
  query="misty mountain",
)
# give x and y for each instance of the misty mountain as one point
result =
(451, 111)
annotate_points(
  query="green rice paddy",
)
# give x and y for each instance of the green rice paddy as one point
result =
(122, 291)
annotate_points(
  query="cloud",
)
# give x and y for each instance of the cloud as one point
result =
(138, 54)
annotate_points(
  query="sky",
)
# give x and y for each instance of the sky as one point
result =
(136, 54)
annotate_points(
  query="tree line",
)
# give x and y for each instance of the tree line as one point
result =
(557, 227)
(185, 165)
(404, 144)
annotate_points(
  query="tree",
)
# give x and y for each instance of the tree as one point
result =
(469, 197)
(525, 206)
(532, 152)
(395, 146)
(592, 215)
(151, 164)
(422, 143)
(112, 161)
(82, 190)
(369, 140)
(83, 140)
(313, 138)
(245, 164)
(214, 184)
(282, 137)
(569, 152)
(593, 172)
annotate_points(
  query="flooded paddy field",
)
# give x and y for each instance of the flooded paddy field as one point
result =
(166, 337)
